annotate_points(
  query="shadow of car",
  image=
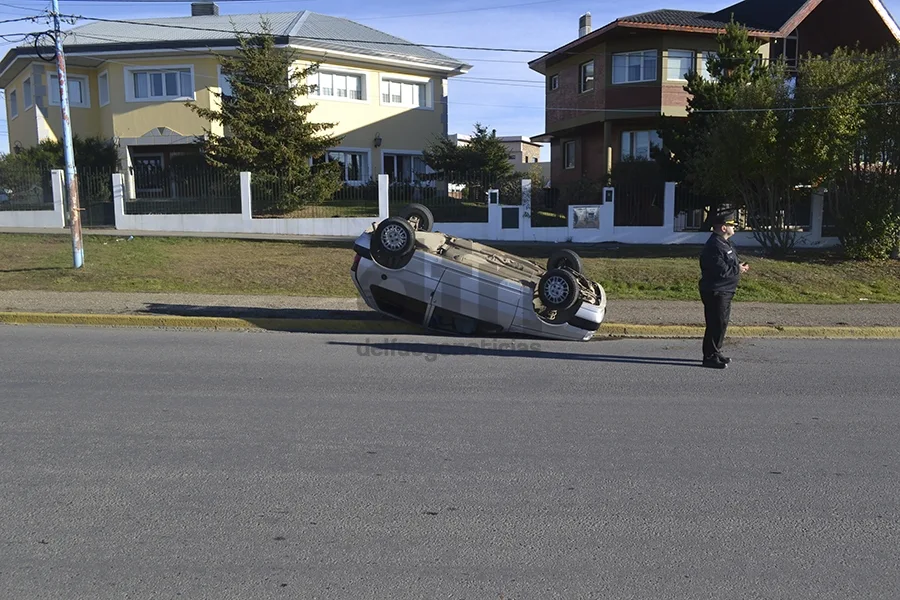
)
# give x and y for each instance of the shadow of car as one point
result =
(405, 270)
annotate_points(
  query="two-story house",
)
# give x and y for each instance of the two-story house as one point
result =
(606, 90)
(130, 82)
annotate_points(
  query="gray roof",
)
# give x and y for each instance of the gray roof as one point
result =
(303, 28)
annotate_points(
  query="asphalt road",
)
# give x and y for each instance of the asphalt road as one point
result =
(169, 464)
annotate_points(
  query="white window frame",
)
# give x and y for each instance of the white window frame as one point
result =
(679, 56)
(129, 83)
(13, 101)
(426, 81)
(568, 154)
(385, 152)
(366, 163)
(582, 87)
(27, 94)
(313, 80)
(103, 85)
(653, 139)
(53, 88)
(554, 82)
(644, 56)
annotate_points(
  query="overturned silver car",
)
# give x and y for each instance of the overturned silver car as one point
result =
(405, 270)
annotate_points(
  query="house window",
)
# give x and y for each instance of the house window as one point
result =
(554, 82)
(680, 64)
(631, 67)
(103, 88)
(28, 100)
(354, 165)
(704, 65)
(13, 105)
(636, 144)
(224, 84)
(164, 83)
(586, 77)
(407, 168)
(569, 155)
(78, 90)
(404, 93)
(337, 85)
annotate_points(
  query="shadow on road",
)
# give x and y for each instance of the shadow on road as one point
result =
(250, 312)
(526, 349)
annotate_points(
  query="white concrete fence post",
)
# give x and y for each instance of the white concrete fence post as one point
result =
(246, 197)
(118, 193)
(384, 203)
(60, 215)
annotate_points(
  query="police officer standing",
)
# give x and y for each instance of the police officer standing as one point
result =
(720, 274)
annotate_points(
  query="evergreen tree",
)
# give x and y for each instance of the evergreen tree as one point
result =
(269, 131)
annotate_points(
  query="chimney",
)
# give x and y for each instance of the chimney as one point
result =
(204, 9)
(584, 25)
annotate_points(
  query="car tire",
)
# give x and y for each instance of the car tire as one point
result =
(558, 290)
(565, 258)
(393, 243)
(419, 216)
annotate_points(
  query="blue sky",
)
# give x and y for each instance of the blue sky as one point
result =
(500, 90)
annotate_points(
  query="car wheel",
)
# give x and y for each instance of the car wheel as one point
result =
(565, 258)
(419, 216)
(393, 243)
(558, 290)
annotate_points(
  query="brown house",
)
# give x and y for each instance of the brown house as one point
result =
(607, 88)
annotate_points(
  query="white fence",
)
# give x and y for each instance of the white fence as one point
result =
(51, 217)
(587, 224)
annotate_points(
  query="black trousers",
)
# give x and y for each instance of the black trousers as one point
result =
(717, 312)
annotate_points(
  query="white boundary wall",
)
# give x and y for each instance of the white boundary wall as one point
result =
(52, 218)
(244, 222)
(594, 223)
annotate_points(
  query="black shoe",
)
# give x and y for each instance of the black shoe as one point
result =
(724, 359)
(713, 363)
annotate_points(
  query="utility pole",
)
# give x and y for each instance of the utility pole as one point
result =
(71, 180)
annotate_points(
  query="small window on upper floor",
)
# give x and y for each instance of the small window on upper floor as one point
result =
(13, 105)
(586, 77)
(553, 82)
(103, 88)
(338, 85)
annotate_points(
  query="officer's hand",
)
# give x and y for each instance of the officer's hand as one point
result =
(744, 267)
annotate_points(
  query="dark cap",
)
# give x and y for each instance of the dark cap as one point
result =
(723, 218)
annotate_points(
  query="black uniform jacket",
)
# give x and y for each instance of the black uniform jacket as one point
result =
(719, 266)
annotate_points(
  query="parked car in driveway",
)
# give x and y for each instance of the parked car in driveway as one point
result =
(405, 270)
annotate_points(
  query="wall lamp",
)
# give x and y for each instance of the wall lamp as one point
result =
(377, 140)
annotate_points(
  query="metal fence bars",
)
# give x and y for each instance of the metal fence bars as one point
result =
(28, 188)
(177, 190)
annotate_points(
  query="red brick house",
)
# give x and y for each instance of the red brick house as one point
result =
(607, 88)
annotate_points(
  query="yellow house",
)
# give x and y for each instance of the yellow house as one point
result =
(129, 81)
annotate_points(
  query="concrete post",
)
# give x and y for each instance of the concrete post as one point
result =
(118, 194)
(59, 205)
(246, 197)
(384, 205)
(669, 206)
(817, 215)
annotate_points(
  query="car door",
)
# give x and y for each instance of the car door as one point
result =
(478, 295)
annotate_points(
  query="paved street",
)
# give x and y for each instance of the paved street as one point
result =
(225, 465)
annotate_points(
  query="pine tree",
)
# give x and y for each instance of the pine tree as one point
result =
(269, 131)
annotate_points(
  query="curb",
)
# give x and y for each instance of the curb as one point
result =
(607, 330)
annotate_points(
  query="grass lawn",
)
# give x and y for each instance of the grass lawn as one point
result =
(206, 265)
